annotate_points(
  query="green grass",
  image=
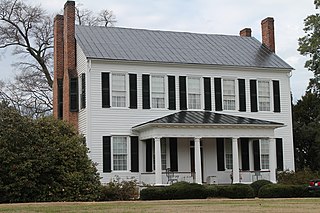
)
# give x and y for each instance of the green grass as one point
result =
(195, 206)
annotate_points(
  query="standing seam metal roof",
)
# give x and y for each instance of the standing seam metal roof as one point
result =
(113, 43)
(206, 117)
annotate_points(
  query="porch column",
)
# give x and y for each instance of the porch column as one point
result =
(157, 153)
(272, 160)
(197, 160)
(235, 160)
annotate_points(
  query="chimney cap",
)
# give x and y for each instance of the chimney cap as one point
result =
(268, 19)
(246, 32)
(69, 3)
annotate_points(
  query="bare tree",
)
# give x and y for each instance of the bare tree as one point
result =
(87, 17)
(28, 29)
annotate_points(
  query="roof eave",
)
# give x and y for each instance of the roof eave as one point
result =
(186, 125)
(287, 69)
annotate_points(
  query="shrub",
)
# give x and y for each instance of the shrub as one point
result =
(180, 190)
(43, 160)
(125, 190)
(258, 184)
(153, 193)
(282, 191)
(237, 191)
(297, 178)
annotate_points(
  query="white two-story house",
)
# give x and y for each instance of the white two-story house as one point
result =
(210, 108)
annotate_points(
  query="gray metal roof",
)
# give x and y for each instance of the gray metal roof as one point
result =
(206, 117)
(114, 43)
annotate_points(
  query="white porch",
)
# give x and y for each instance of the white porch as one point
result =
(197, 151)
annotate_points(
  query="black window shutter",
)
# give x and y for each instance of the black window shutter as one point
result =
(253, 96)
(74, 95)
(220, 154)
(245, 153)
(134, 153)
(242, 95)
(149, 155)
(279, 148)
(276, 96)
(256, 155)
(172, 92)
(207, 93)
(183, 92)
(218, 94)
(83, 90)
(145, 92)
(105, 86)
(173, 154)
(60, 98)
(106, 146)
(133, 90)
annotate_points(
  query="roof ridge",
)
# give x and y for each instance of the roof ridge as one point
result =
(165, 31)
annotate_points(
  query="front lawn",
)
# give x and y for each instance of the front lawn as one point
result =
(206, 205)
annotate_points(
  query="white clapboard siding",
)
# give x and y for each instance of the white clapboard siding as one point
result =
(119, 121)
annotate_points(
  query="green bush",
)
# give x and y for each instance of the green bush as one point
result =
(258, 184)
(282, 191)
(180, 190)
(43, 160)
(125, 190)
(153, 193)
(237, 191)
(297, 178)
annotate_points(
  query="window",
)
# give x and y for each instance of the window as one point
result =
(264, 95)
(194, 93)
(264, 144)
(163, 145)
(73, 94)
(83, 90)
(118, 90)
(229, 97)
(228, 152)
(119, 153)
(157, 91)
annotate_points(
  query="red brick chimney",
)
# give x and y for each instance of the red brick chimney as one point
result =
(58, 65)
(246, 32)
(267, 27)
(65, 72)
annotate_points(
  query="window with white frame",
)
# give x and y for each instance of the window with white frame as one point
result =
(163, 144)
(228, 153)
(157, 91)
(120, 153)
(194, 93)
(229, 94)
(118, 90)
(264, 150)
(264, 95)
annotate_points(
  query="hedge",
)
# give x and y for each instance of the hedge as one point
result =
(283, 191)
(184, 190)
(258, 184)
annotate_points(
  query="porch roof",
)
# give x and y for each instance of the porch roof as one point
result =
(207, 118)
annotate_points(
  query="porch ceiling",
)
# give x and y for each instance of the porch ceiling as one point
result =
(205, 124)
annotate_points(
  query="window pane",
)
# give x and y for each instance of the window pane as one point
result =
(264, 143)
(229, 97)
(157, 91)
(120, 153)
(264, 95)
(194, 93)
(118, 90)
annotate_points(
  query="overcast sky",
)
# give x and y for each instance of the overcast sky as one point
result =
(207, 16)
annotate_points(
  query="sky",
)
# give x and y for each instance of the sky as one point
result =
(205, 16)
